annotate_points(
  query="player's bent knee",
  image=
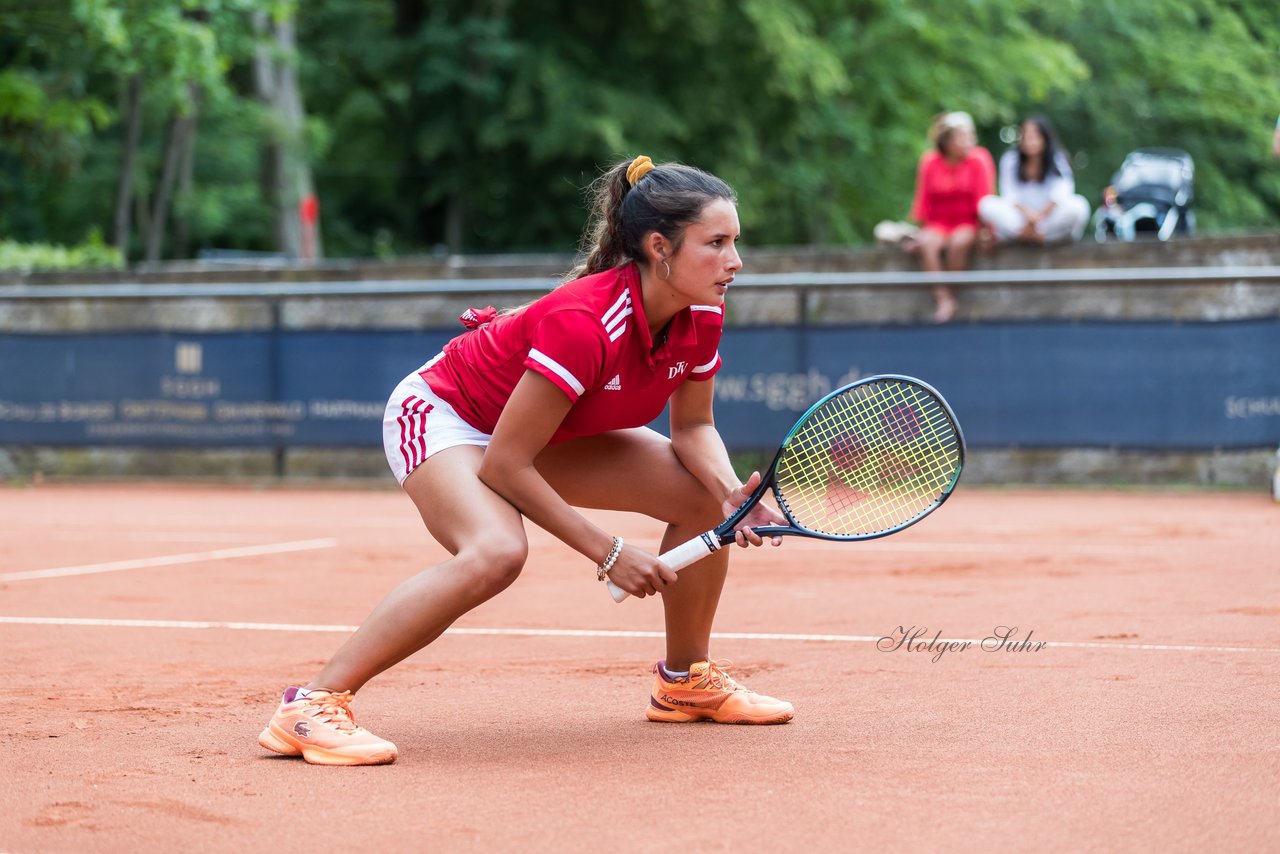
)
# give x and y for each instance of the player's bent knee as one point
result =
(495, 565)
(697, 508)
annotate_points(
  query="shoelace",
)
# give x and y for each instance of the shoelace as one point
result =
(335, 710)
(717, 677)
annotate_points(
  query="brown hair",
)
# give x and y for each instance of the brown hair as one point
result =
(666, 200)
(944, 126)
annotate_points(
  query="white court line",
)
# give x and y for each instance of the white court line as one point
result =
(67, 536)
(172, 560)
(583, 633)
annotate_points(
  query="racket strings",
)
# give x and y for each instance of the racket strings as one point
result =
(894, 483)
(869, 460)
(908, 469)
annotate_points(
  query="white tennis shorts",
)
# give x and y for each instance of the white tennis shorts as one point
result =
(418, 424)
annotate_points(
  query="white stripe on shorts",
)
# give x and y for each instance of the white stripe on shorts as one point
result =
(413, 408)
(413, 431)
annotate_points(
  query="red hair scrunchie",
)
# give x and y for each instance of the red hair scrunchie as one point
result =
(474, 318)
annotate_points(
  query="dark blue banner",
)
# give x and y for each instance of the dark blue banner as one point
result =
(217, 389)
(1126, 385)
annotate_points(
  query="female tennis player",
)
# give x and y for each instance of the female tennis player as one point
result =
(539, 410)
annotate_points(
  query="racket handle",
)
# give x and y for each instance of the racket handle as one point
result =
(615, 591)
(678, 558)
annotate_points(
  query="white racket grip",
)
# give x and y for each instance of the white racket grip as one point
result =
(678, 558)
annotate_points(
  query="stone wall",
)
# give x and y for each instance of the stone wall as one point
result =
(1259, 249)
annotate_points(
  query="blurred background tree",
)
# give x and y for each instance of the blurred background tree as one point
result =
(1200, 75)
(442, 125)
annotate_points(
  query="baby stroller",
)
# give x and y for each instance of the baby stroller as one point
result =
(1150, 196)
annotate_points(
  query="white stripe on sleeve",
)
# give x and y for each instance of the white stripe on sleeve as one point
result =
(558, 369)
(702, 369)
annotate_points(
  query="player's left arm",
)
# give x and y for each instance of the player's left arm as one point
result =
(700, 449)
(528, 422)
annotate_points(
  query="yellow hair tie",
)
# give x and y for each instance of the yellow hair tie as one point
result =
(639, 167)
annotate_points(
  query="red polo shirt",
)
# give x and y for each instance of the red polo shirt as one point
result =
(947, 193)
(591, 339)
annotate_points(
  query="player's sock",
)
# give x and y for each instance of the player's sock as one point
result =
(672, 675)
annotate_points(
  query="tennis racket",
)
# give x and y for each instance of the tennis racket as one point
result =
(867, 460)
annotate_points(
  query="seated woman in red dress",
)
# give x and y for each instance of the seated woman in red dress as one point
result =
(951, 178)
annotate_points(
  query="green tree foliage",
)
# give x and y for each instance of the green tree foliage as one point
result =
(188, 57)
(93, 254)
(48, 115)
(815, 108)
(1199, 75)
(476, 125)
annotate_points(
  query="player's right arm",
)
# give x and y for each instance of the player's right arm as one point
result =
(529, 420)
(700, 449)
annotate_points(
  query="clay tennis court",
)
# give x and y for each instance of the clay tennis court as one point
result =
(148, 630)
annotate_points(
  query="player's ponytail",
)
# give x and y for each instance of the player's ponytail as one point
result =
(602, 243)
(633, 198)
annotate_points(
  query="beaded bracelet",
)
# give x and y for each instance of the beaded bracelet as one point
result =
(602, 571)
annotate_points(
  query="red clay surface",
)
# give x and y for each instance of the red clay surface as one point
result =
(143, 738)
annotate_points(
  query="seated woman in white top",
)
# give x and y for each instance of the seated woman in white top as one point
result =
(1038, 202)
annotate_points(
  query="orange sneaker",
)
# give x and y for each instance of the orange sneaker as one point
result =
(321, 727)
(709, 693)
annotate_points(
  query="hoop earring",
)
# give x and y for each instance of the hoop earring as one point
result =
(667, 267)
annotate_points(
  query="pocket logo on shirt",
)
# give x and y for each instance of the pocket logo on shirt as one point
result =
(678, 369)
